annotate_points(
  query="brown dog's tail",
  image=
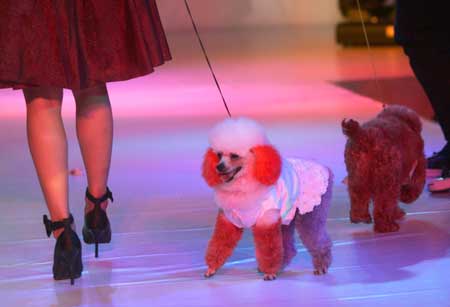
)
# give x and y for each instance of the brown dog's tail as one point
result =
(351, 128)
(354, 132)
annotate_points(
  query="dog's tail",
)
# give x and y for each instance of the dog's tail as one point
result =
(354, 132)
(351, 128)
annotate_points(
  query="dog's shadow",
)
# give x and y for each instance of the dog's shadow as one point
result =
(378, 258)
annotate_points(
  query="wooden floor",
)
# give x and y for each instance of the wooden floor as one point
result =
(299, 85)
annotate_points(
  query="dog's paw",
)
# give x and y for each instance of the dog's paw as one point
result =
(386, 227)
(399, 213)
(270, 276)
(357, 218)
(209, 273)
(322, 261)
(321, 271)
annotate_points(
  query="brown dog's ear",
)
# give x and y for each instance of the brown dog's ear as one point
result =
(209, 172)
(267, 167)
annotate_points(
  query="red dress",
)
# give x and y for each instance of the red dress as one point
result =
(78, 44)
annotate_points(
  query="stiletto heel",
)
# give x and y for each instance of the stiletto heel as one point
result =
(97, 229)
(67, 256)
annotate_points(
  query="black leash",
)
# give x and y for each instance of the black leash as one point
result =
(374, 71)
(375, 77)
(206, 57)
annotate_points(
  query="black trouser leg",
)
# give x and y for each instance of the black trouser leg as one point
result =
(432, 68)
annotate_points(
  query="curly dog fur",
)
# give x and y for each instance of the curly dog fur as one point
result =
(241, 166)
(223, 241)
(269, 248)
(385, 163)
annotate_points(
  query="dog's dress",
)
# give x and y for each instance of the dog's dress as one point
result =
(300, 186)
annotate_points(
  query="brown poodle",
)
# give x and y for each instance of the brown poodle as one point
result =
(385, 162)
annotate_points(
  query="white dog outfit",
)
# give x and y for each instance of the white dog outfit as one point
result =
(300, 186)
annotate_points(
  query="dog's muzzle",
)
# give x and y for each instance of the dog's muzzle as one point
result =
(229, 176)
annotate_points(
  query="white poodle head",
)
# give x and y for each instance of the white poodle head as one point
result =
(239, 148)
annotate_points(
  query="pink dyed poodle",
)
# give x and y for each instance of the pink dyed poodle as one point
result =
(255, 188)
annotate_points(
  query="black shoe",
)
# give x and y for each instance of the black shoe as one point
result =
(96, 227)
(439, 159)
(67, 256)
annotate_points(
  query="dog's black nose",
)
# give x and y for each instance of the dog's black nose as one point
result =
(220, 167)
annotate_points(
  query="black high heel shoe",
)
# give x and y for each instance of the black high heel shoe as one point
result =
(96, 227)
(67, 256)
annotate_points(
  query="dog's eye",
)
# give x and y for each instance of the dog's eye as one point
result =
(219, 155)
(234, 156)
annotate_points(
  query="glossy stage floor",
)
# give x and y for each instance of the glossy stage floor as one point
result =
(300, 85)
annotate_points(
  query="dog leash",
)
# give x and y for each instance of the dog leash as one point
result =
(206, 57)
(372, 62)
(375, 77)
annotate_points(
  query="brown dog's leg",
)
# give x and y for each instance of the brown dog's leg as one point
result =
(224, 239)
(359, 186)
(269, 248)
(386, 211)
(399, 213)
(412, 190)
(359, 202)
(387, 185)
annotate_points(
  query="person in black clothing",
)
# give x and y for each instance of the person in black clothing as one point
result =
(422, 29)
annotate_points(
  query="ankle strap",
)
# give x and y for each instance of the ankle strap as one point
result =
(52, 226)
(98, 201)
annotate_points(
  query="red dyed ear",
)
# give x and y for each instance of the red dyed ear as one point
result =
(267, 168)
(209, 168)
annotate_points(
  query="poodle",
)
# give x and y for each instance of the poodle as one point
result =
(256, 188)
(385, 162)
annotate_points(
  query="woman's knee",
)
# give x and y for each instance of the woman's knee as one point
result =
(91, 99)
(43, 97)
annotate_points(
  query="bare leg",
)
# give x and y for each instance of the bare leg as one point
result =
(95, 133)
(48, 146)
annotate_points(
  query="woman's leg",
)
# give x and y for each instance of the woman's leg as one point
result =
(48, 146)
(94, 124)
